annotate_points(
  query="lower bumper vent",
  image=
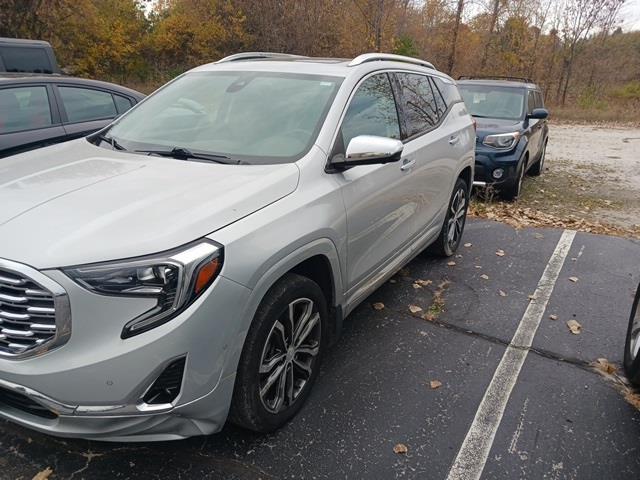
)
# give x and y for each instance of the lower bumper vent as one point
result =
(167, 386)
(25, 404)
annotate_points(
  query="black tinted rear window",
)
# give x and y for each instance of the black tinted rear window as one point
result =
(25, 59)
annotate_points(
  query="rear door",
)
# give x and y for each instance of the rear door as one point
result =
(432, 147)
(85, 110)
(28, 118)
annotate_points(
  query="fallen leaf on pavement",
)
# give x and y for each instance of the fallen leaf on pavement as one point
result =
(435, 384)
(467, 245)
(378, 305)
(605, 366)
(502, 293)
(43, 475)
(633, 399)
(553, 317)
(424, 283)
(485, 276)
(430, 317)
(574, 327)
(400, 448)
(573, 279)
(417, 286)
(414, 308)
(500, 253)
(451, 263)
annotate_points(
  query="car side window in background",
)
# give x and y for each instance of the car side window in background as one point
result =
(538, 100)
(84, 104)
(440, 103)
(24, 108)
(449, 91)
(419, 103)
(531, 101)
(122, 103)
(25, 59)
(372, 111)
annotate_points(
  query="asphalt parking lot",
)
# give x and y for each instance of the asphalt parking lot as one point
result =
(561, 419)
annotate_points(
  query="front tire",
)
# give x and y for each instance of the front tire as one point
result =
(281, 355)
(537, 169)
(513, 189)
(632, 343)
(451, 234)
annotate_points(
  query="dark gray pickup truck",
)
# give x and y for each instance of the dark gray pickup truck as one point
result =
(27, 56)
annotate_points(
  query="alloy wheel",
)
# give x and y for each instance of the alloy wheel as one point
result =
(289, 354)
(456, 220)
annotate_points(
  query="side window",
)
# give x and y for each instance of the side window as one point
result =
(85, 104)
(418, 102)
(449, 90)
(24, 108)
(531, 101)
(122, 103)
(372, 111)
(442, 106)
(539, 101)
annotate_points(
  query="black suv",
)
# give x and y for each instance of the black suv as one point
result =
(512, 130)
(39, 110)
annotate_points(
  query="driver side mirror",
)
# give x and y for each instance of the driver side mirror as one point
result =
(369, 150)
(539, 113)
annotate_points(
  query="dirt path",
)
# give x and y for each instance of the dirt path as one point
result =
(591, 182)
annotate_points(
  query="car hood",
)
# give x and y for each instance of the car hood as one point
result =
(491, 126)
(76, 203)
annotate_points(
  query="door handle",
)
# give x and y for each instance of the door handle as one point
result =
(453, 139)
(407, 164)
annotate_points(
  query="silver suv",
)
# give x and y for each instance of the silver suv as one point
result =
(193, 261)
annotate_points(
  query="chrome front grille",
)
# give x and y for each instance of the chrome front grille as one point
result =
(34, 311)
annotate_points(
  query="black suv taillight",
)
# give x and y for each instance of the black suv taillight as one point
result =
(167, 386)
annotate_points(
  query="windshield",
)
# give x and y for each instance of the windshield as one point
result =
(493, 101)
(254, 117)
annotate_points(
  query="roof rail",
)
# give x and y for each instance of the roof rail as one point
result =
(373, 57)
(495, 77)
(258, 56)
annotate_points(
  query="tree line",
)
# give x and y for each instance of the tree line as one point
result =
(572, 48)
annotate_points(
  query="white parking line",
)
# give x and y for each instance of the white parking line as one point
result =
(474, 451)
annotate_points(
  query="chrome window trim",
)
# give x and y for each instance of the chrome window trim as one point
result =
(61, 304)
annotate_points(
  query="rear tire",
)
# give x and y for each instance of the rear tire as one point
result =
(281, 355)
(632, 343)
(453, 227)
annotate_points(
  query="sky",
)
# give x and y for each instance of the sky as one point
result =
(630, 15)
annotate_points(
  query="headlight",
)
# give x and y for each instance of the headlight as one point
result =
(174, 280)
(502, 140)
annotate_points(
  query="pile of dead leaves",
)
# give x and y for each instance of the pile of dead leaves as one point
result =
(520, 217)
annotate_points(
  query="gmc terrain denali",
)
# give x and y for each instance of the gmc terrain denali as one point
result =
(193, 260)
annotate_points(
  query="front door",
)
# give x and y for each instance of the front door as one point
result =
(379, 209)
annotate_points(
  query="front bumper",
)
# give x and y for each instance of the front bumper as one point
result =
(488, 160)
(94, 383)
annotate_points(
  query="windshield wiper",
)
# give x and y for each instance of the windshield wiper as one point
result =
(110, 140)
(479, 116)
(184, 153)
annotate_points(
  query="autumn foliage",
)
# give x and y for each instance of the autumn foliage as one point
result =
(573, 49)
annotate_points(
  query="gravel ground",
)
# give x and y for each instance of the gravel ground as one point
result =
(607, 159)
